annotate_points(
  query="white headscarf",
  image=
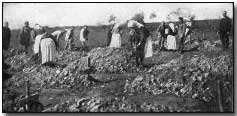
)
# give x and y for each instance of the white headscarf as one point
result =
(172, 26)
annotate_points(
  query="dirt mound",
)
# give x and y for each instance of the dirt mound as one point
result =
(194, 77)
(45, 76)
(111, 60)
(103, 60)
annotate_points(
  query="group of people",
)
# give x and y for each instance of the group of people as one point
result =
(170, 32)
(183, 31)
(45, 44)
(138, 37)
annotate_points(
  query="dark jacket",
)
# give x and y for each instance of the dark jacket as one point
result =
(144, 34)
(161, 29)
(25, 36)
(6, 36)
(225, 25)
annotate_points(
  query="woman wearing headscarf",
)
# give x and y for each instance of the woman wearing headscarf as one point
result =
(84, 35)
(171, 40)
(45, 45)
(116, 40)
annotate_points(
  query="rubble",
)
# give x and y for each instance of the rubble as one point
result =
(191, 78)
(110, 60)
(117, 104)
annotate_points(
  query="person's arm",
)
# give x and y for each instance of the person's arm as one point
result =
(184, 30)
(33, 35)
(158, 29)
(70, 35)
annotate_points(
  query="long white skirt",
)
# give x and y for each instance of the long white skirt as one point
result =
(116, 40)
(148, 48)
(48, 50)
(82, 38)
(171, 42)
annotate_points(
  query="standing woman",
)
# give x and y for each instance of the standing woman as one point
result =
(46, 46)
(171, 40)
(116, 40)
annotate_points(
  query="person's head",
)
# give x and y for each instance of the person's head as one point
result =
(26, 23)
(181, 19)
(224, 13)
(163, 23)
(41, 29)
(85, 27)
(5, 24)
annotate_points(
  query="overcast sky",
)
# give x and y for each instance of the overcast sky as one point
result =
(74, 14)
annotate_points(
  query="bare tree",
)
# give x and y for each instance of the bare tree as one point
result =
(139, 17)
(152, 15)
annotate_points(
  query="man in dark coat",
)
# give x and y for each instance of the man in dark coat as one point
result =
(161, 30)
(181, 33)
(140, 49)
(6, 36)
(25, 36)
(224, 30)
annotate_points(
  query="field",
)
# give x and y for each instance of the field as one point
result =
(200, 80)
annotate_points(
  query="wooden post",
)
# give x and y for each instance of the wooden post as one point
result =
(89, 62)
(89, 66)
(219, 96)
(203, 35)
(27, 93)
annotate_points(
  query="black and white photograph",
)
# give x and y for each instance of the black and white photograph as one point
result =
(117, 57)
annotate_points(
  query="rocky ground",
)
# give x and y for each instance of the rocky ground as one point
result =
(169, 81)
